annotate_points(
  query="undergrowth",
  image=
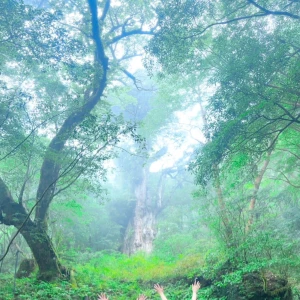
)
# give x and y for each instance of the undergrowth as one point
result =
(117, 275)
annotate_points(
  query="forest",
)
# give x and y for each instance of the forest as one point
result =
(150, 143)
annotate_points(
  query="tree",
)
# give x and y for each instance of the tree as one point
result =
(147, 198)
(66, 49)
(255, 71)
(248, 54)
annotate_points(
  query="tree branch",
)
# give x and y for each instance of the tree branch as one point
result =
(100, 56)
(29, 135)
(288, 181)
(289, 90)
(270, 12)
(80, 172)
(225, 22)
(294, 119)
(132, 77)
(264, 12)
(129, 33)
(105, 10)
(286, 150)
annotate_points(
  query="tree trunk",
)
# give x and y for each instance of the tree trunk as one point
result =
(257, 183)
(43, 251)
(222, 205)
(14, 214)
(140, 231)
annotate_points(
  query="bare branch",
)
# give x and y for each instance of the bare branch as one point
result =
(20, 198)
(289, 90)
(81, 171)
(287, 180)
(133, 78)
(129, 56)
(31, 133)
(264, 12)
(287, 112)
(286, 150)
(74, 27)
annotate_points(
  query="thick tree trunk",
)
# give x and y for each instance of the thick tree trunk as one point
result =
(14, 214)
(43, 251)
(140, 231)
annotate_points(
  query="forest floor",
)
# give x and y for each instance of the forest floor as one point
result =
(122, 277)
(118, 276)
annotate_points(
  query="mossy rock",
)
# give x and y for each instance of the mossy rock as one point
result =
(266, 286)
(257, 286)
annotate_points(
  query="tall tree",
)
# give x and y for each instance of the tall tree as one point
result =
(78, 51)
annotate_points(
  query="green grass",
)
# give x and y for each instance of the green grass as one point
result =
(120, 276)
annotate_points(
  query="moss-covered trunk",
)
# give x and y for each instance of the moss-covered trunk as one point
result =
(43, 251)
(14, 214)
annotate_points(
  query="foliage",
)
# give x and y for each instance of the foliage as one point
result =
(115, 274)
(238, 61)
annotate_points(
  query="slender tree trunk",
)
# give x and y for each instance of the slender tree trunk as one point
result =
(222, 205)
(257, 183)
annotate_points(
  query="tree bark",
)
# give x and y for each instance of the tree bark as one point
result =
(51, 165)
(14, 214)
(43, 251)
(140, 231)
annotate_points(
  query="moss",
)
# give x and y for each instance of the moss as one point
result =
(27, 266)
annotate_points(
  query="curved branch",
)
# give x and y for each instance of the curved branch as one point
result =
(101, 57)
(51, 167)
(288, 181)
(286, 150)
(270, 12)
(264, 12)
(226, 22)
(30, 133)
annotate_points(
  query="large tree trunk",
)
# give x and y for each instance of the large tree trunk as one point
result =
(14, 214)
(43, 251)
(140, 231)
